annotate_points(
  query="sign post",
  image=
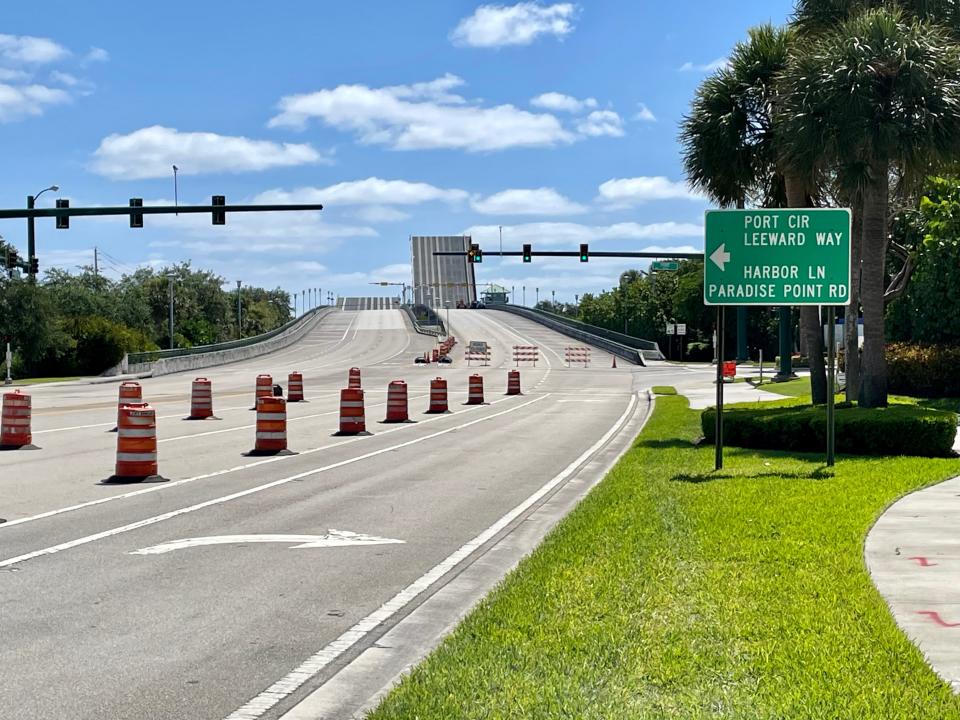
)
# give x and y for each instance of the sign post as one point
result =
(9, 359)
(786, 257)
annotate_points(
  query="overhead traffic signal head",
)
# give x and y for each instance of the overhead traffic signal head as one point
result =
(474, 254)
(527, 252)
(584, 252)
(136, 219)
(34, 266)
(63, 221)
(219, 216)
(11, 260)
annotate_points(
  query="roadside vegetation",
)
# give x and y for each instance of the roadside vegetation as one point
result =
(82, 323)
(673, 591)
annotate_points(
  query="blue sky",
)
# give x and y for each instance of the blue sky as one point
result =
(557, 121)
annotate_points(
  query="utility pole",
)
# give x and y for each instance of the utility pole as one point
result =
(171, 278)
(96, 263)
(31, 231)
(524, 295)
(239, 317)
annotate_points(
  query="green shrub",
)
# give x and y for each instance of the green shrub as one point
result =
(893, 430)
(924, 370)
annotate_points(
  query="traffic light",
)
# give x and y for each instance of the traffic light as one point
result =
(474, 254)
(11, 260)
(63, 221)
(527, 252)
(219, 216)
(136, 219)
(34, 266)
(584, 252)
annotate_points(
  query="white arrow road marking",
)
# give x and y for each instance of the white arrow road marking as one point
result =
(720, 256)
(333, 538)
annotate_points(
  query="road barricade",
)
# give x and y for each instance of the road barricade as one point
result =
(295, 387)
(438, 396)
(264, 388)
(526, 353)
(201, 399)
(271, 432)
(475, 390)
(136, 443)
(352, 420)
(353, 379)
(130, 392)
(577, 354)
(435, 355)
(397, 407)
(513, 382)
(483, 357)
(15, 421)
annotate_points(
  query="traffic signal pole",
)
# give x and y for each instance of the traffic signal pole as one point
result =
(31, 237)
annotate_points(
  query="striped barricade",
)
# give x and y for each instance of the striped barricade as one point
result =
(477, 356)
(577, 354)
(526, 353)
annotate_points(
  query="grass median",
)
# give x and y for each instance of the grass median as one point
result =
(673, 591)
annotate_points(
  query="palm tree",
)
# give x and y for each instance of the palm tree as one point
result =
(879, 92)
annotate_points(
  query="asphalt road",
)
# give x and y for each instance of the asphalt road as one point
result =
(246, 627)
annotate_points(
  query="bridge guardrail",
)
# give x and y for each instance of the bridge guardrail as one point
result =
(436, 330)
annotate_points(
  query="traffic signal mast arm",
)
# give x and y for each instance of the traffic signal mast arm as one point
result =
(574, 253)
(146, 210)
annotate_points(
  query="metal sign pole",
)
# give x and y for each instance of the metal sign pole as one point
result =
(831, 365)
(718, 423)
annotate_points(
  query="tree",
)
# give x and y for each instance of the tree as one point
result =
(878, 93)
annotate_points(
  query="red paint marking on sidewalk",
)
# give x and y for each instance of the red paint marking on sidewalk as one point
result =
(935, 616)
(923, 561)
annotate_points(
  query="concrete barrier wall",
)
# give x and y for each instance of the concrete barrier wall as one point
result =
(166, 366)
(629, 354)
(433, 330)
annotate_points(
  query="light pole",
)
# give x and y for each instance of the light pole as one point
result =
(524, 295)
(513, 289)
(303, 301)
(447, 304)
(553, 299)
(31, 231)
(239, 315)
(171, 277)
(538, 297)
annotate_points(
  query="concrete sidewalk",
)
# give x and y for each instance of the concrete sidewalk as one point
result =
(913, 554)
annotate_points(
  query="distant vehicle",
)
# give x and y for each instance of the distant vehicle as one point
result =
(419, 359)
(477, 305)
(445, 359)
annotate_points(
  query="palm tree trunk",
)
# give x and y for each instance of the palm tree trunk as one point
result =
(851, 341)
(873, 378)
(811, 329)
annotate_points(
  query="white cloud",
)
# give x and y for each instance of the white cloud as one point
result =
(421, 116)
(379, 214)
(644, 114)
(64, 78)
(150, 152)
(625, 192)
(96, 54)
(29, 49)
(520, 24)
(558, 233)
(538, 201)
(371, 191)
(706, 67)
(18, 102)
(601, 122)
(11, 75)
(560, 102)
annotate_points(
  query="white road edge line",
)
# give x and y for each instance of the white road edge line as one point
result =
(53, 549)
(237, 468)
(281, 689)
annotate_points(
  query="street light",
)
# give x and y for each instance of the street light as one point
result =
(447, 304)
(31, 232)
(171, 277)
(239, 315)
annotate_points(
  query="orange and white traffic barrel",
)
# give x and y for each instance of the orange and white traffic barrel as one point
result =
(438, 396)
(271, 430)
(353, 381)
(475, 390)
(15, 420)
(397, 407)
(136, 442)
(201, 399)
(435, 355)
(513, 382)
(130, 392)
(295, 387)
(264, 388)
(352, 420)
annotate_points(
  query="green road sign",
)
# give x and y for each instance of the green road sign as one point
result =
(664, 265)
(777, 257)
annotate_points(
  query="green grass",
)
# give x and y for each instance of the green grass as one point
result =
(40, 381)
(663, 390)
(673, 591)
(789, 388)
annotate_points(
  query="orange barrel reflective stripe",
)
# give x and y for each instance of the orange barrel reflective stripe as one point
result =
(475, 393)
(201, 399)
(397, 408)
(271, 424)
(352, 420)
(137, 441)
(15, 420)
(513, 382)
(295, 387)
(130, 392)
(438, 396)
(353, 383)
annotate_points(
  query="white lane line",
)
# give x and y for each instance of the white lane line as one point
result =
(53, 549)
(266, 700)
(236, 468)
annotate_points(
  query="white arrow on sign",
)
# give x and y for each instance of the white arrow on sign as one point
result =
(333, 538)
(720, 256)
